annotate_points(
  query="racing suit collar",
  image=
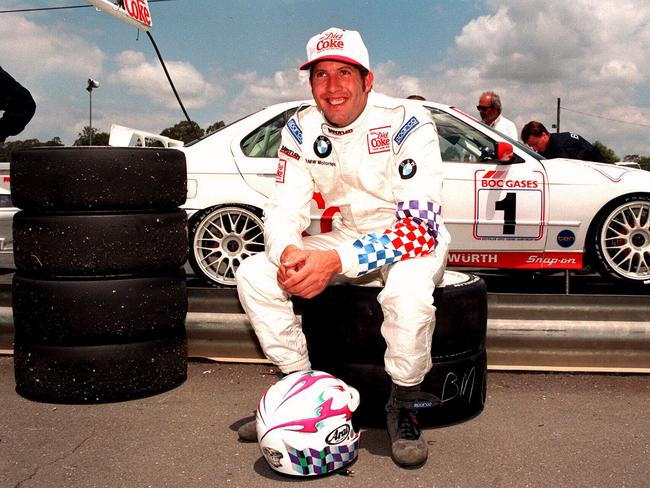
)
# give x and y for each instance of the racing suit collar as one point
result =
(334, 131)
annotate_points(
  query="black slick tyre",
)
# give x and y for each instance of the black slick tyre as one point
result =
(98, 311)
(64, 179)
(99, 374)
(343, 330)
(460, 383)
(96, 244)
(344, 321)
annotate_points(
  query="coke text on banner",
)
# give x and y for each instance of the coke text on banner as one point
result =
(134, 12)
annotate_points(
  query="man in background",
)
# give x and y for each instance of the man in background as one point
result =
(558, 145)
(489, 107)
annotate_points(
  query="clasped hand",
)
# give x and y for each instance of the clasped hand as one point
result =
(305, 273)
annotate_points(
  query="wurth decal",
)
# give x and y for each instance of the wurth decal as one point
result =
(517, 260)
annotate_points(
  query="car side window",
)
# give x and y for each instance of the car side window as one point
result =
(460, 142)
(264, 141)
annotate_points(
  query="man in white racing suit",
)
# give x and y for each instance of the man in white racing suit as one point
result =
(378, 160)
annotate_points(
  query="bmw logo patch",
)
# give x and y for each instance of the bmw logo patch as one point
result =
(566, 238)
(407, 169)
(322, 146)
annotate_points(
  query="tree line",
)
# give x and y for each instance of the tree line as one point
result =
(188, 131)
(183, 131)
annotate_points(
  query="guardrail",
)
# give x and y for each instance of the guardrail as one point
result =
(525, 332)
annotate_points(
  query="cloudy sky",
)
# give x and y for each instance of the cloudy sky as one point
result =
(230, 57)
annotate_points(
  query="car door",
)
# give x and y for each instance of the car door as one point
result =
(256, 156)
(256, 151)
(496, 213)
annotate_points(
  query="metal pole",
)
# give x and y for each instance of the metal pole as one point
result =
(90, 131)
(557, 124)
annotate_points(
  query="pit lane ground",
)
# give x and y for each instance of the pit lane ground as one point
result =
(537, 430)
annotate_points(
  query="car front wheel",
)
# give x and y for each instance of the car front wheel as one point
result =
(621, 242)
(221, 238)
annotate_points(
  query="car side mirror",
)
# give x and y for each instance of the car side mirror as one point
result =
(506, 154)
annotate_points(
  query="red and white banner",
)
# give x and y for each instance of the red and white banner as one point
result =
(134, 12)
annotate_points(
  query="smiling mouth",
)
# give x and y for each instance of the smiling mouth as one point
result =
(336, 101)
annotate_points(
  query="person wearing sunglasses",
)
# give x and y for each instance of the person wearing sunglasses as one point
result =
(489, 107)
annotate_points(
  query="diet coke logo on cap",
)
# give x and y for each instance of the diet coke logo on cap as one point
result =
(337, 45)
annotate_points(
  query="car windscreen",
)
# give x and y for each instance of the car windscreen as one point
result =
(460, 141)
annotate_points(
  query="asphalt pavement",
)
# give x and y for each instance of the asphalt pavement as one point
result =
(537, 430)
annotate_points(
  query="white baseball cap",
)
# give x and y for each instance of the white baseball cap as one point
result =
(337, 45)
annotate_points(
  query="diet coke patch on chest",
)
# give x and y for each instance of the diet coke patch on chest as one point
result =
(378, 140)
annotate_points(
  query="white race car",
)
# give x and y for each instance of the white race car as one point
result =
(528, 213)
(7, 211)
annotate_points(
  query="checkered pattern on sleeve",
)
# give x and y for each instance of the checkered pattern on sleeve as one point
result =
(421, 211)
(413, 235)
(410, 238)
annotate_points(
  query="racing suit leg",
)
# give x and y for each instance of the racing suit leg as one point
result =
(270, 309)
(409, 315)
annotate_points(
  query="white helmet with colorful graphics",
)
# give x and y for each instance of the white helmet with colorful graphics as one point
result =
(304, 424)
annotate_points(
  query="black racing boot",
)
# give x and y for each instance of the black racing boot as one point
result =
(248, 432)
(408, 447)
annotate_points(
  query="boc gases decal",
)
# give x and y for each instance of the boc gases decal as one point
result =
(509, 206)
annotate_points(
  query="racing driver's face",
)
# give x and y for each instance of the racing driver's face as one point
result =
(339, 91)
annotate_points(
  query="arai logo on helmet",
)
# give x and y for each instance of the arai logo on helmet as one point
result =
(330, 41)
(338, 435)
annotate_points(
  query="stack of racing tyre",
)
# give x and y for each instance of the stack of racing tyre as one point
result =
(99, 295)
(343, 330)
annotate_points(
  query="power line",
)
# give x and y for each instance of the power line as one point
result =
(43, 9)
(605, 118)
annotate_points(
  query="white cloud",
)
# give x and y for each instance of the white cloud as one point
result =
(50, 49)
(256, 92)
(390, 82)
(592, 55)
(147, 79)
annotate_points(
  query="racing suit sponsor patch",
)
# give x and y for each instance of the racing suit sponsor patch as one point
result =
(295, 131)
(336, 132)
(282, 167)
(322, 146)
(405, 130)
(288, 152)
(378, 140)
(320, 162)
(407, 169)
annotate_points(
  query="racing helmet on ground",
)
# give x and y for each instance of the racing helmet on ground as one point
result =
(304, 424)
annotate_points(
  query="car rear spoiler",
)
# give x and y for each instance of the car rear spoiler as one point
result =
(125, 136)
